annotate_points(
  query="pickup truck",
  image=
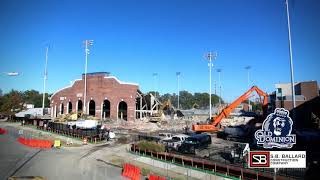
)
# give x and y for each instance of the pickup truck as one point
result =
(158, 138)
(175, 142)
(165, 136)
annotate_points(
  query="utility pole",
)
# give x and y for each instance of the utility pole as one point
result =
(219, 72)
(87, 44)
(209, 57)
(248, 68)
(178, 78)
(44, 81)
(290, 54)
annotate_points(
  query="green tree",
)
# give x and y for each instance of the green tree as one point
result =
(35, 98)
(186, 100)
(11, 103)
(201, 99)
(153, 93)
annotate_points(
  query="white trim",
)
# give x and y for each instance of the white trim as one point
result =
(101, 107)
(61, 109)
(87, 108)
(77, 107)
(120, 82)
(67, 108)
(65, 87)
(55, 111)
(106, 77)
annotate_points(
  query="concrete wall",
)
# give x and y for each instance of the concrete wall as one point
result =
(286, 88)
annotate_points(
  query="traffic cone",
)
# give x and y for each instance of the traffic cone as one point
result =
(85, 141)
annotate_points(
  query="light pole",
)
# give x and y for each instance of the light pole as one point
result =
(45, 80)
(290, 54)
(219, 72)
(155, 83)
(87, 44)
(248, 68)
(209, 57)
(178, 78)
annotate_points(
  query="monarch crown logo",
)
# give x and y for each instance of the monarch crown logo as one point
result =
(276, 130)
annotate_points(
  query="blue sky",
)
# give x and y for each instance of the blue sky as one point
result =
(133, 39)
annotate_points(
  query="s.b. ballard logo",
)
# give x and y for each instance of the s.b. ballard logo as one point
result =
(259, 159)
(276, 130)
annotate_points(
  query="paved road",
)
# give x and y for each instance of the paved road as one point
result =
(66, 163)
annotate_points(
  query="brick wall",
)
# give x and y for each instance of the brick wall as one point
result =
(287, 104)
(309, 89)
(99, 88)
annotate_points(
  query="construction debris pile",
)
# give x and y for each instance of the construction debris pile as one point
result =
(73, 117)
(146, 126)
(236, 121)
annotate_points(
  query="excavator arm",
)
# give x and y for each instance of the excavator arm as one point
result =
(226, 111)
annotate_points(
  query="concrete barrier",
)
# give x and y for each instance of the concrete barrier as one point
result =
(130, 171)
(35, 143)
(3, 131)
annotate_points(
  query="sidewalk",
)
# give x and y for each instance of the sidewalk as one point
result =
(119, 155)
(31, 132)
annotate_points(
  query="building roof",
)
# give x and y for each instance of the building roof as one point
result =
(106, 75)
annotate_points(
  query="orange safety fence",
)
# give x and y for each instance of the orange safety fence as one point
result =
(155, 177)
(35, 143)
(130, 171)
(3, 131)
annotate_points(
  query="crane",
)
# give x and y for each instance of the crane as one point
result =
(226, 111)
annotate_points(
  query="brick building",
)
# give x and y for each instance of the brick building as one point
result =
(304, 91)
(107, 97)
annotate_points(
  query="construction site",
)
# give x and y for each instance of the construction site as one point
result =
(133, 90)
(222, 139)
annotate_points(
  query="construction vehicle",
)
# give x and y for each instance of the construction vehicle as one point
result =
(215, 121)
(165, 108)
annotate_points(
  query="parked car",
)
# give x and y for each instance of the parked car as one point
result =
(198, 141)
(175, 142)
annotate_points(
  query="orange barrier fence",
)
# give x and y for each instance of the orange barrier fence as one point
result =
(35, 143)
(3, 131)
(130, 171)
(155, 177)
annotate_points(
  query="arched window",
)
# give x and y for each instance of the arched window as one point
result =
(106, 109)
(69, 107)
(79, 106)
(122, 110)
(92, 108)
(61, 108)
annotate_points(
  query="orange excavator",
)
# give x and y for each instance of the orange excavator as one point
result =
(226, 111)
